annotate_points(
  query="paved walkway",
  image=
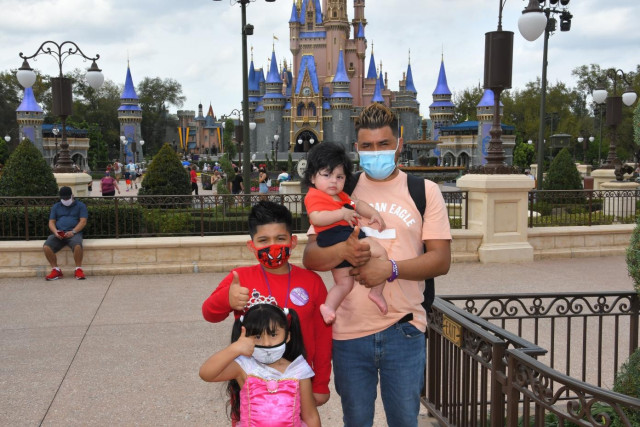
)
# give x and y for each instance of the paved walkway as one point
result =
(125, 350)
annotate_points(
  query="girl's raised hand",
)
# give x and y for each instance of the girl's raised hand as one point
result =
(244, 346)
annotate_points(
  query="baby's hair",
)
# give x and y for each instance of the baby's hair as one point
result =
(265, 212)
(377, 116)
(265, 318)
(327, 155)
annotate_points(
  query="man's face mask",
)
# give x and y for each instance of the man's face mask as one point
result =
(378, 164)
(67, 202)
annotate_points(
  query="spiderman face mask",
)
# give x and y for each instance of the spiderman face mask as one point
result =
(272, 256)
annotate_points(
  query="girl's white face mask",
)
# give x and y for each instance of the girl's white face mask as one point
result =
(67, 202)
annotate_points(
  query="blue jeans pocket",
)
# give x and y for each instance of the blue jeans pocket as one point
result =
(409, 331)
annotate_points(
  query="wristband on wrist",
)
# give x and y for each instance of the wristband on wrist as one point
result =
(394, 271)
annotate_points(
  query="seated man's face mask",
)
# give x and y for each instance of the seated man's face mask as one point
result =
(67, 202)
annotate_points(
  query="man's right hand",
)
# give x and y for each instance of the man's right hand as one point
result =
(356, 251)
(238, 295)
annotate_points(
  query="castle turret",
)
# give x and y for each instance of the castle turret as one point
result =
(130, 118)
(407, 107)
(273, 103)
(341, 103)
(30, 118)
(442, 109)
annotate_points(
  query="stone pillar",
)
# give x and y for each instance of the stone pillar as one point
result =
(498, 206)
(583, 170)
(601, 176)
(620, 206)
(77, 181)
(292, 187)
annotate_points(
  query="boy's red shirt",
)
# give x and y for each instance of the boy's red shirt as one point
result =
(306, 292)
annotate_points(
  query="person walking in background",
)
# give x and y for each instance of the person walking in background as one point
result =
(263, 186)
(370, 348)
(117, 170)
(67, 219)
(194, 179)
(108, 185)
(131, 168)
(269, 378)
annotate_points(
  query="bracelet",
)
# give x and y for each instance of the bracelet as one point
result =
(394, 271)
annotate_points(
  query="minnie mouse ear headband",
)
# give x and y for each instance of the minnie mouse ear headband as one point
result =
(256, 299)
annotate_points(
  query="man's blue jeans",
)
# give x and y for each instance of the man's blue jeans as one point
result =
(398, 355)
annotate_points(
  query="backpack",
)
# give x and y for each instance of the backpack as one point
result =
(416, 191)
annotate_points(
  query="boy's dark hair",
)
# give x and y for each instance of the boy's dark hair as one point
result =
(377, 116)
(266, 212)
(265, 318)
(327, 155)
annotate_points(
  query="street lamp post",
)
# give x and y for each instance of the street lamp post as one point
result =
(55, 132)
(583, 141)
(61, 88)
(274, 152)
(252, 126)
(614, 109)
(247, 30)
(532, 23)
(600, 139)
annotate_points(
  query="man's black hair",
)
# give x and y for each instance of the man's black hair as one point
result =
(266, 212)
(327, 155)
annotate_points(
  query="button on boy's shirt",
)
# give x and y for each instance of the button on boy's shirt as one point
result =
(307, 291)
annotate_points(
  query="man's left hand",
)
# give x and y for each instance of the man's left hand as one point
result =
(373, 273)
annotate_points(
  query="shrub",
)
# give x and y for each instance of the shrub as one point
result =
(27, 173)
(166, 175)
(563, 174)
(633, 257)
(160, 221)
(628, 382)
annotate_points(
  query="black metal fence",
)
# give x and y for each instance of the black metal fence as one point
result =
(582, 207)
(513, 359)
(26, 218)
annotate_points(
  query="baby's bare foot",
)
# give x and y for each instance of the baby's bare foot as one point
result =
(328, 314)
(379, 300)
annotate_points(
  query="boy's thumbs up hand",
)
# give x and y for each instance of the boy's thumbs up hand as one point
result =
(238, 295)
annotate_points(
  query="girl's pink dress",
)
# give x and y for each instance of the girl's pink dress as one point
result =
(270, 398)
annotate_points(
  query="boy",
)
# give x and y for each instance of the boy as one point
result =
(303, 290)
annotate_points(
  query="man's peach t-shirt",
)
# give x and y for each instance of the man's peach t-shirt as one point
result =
(357, 316)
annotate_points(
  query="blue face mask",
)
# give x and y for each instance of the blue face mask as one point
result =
(378, 164)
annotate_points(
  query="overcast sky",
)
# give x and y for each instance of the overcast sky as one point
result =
(198, 42)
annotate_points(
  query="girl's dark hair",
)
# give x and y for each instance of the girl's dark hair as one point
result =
(327, 155)
(265, 318)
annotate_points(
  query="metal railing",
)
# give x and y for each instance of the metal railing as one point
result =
(512, 360)
(26, 218)
(582, 207)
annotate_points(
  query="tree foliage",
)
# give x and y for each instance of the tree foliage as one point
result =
(27, 173)
(165, 175)
(466, 104)
(563, 173)
(524, 155)
(155, 95)
(228, 145)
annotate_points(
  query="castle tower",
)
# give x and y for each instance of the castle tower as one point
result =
(130, 118)
(407, 107)
(341, 102)
(273, 103)
(336, 24)
(30, 118)
(442, 109)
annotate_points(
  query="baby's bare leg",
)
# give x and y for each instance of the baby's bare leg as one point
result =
(375, 293)
(343, 285)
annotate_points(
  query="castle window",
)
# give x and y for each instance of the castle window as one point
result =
(335, 15)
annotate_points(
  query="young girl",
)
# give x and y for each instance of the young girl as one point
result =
(269, 378)
(333, 215)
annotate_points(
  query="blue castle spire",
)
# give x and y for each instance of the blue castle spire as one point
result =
(29, 104)
(360, 34)
(377, 94)
(442, 88)
(294, 14)
(274, 75)
(371, 73)
(341, 72)
(410, 86)
(129, 91)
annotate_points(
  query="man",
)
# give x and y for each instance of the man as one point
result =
(368, 345)
(193, 176)
(67, 219)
